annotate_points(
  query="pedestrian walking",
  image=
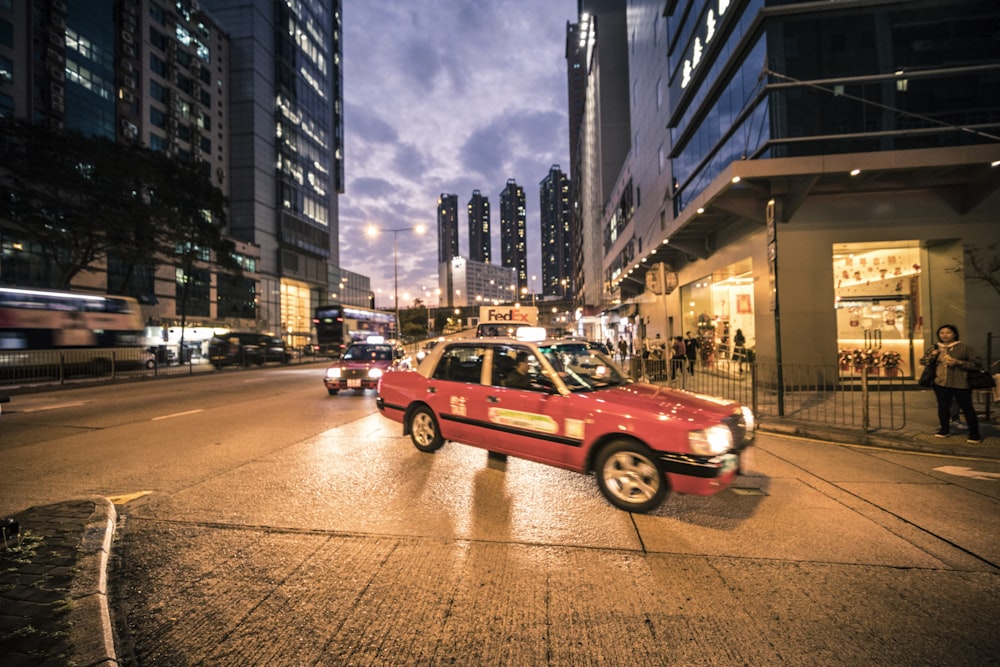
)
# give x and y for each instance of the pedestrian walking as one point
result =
(952, 360)
(622, 348)
(678, 357)
(740, 348)
(691, 345)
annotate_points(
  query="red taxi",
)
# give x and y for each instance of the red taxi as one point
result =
(570, 406)
(360, 367)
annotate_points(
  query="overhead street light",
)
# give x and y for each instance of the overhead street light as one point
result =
(373, 232)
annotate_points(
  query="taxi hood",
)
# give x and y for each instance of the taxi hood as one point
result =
(654, 399)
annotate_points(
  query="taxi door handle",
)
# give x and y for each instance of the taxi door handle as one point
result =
(431, 390)
(492, 399)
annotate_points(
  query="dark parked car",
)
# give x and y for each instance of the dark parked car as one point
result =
(243, 349)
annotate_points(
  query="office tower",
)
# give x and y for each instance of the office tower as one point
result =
(810, 174)
(597, 60)
(447, 221)
(513, 233)
(480, 244)
(557, 250)
(287, 172)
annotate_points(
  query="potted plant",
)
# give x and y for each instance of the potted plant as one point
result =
(890, 362)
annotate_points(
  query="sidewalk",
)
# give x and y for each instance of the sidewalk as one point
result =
(53, 585)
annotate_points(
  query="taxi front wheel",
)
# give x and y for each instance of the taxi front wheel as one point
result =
(424, 430)
(629, 478)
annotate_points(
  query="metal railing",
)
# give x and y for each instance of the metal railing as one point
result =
(824, 394)
(30, 367)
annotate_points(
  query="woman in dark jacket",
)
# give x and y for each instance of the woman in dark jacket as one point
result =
(954, 359)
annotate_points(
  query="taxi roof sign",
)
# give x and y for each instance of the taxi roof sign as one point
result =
(531, 333)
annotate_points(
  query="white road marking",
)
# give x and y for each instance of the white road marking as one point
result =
(178, 414)
(960, 471)
(57, 406)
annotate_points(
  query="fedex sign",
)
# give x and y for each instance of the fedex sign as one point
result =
(516, 316)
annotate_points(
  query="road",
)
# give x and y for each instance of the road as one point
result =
(264, 522)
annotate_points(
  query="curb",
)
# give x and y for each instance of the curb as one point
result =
(903, 441)
(91, 631)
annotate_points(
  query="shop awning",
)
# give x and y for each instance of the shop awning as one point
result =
(963, 176)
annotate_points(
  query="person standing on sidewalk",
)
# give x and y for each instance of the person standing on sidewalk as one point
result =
(953, 360)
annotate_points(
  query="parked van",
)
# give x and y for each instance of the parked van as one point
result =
(243, 349)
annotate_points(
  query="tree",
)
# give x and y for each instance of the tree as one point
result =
(983, 265)
(188, 214)
(78, 200)
(67, 195)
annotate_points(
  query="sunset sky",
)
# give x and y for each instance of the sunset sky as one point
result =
(446, 96)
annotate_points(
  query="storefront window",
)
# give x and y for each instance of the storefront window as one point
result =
(718, 305)
(877, 288)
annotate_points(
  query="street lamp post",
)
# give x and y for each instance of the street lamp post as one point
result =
(372, 232)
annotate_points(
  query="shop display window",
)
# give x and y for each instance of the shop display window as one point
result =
(715, 307)
(877, 287)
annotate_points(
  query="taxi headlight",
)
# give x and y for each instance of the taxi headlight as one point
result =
(712, 441)
(333, 373)
(749, 421)
(374, 373)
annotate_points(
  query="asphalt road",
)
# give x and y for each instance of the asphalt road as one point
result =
(263, 522)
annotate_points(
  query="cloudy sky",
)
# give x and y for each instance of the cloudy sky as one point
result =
(445, 96)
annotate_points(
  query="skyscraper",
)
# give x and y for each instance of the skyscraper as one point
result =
(557, 247)
(513, 232)
(287, 118)
(480, 244)
(447, 227)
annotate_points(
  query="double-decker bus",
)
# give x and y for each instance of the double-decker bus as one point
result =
(36, 319)
(337, 326)
(47, 331)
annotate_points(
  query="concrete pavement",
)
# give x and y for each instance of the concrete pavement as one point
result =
(53, 578)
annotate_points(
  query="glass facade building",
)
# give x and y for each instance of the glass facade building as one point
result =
(822, 177)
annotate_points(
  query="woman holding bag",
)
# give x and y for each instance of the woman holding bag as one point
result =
(953, 359)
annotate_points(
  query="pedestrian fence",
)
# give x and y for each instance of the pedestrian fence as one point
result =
(826, 394)
(20, 367)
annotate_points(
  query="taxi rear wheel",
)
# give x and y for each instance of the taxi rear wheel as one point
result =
(629, 478)
(424, 430)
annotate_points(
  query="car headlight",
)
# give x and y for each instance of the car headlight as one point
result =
(712, 441)
(374, 373)
(749, 421)
(333, 373)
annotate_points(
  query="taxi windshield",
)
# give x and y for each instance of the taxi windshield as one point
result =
(583, 368)
(368, 353)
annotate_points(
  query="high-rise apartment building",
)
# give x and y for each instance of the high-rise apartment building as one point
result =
(287, 120)
(556, 218)
(821, 176)
(597, 56)
(139, 72)
(480, 242)
(447, 227)
(513, 232)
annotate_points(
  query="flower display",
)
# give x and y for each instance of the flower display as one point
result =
(890, 359)
(859, 358)
(867, 358)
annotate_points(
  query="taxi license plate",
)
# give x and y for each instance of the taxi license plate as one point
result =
(354, 384)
